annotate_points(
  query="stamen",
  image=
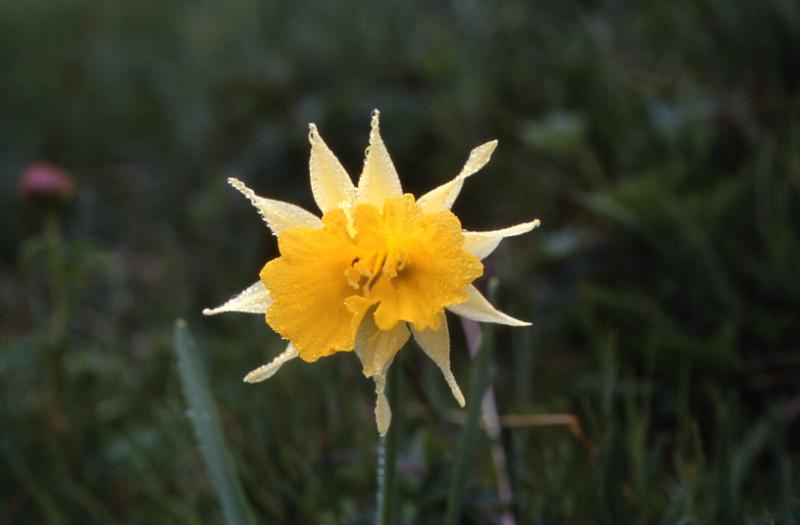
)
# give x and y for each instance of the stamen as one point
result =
(353, 277)
(377, 270)
(399, 259)
(364, 272)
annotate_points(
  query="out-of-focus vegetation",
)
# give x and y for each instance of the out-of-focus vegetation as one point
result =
(659, 142)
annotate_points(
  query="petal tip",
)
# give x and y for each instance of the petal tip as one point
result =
(375, 122)
(208, 311)
(523, 228)
(238, 185)
(270, 369)
(455, 390)
(261, 373)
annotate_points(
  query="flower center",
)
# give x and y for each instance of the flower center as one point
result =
(364, 271)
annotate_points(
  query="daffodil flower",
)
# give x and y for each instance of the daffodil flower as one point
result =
(377, 267)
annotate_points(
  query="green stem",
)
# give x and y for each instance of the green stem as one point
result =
(55, 261)
(58, 321)
(386, 494)
(380, 474)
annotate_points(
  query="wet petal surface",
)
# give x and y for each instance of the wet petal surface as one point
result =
(309, 290)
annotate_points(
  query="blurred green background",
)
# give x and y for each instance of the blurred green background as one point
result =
(658, 142)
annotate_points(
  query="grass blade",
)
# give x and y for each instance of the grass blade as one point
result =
(478, 383)
(208, 430)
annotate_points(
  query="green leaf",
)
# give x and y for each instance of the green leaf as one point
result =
(479, 380)
(208, 430)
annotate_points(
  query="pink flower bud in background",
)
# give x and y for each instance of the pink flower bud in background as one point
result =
(43, 182)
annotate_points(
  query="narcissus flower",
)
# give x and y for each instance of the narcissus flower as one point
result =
(377, 267)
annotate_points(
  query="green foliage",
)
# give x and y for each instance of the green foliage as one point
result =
(658, 142)
(208, 429)
(478, 384)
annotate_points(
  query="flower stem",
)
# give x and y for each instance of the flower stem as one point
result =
(386, 494)
(380, 493)
(56, 341)
(55, 260)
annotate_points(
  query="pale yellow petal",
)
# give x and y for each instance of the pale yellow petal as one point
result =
(481, 244)
(436, 344)
(254, 299)
(266, 371)
(330, 183)
(478, 308)
(278, 215)
(379, 179)
(376, 348)
(383, 412)
(443, 197)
